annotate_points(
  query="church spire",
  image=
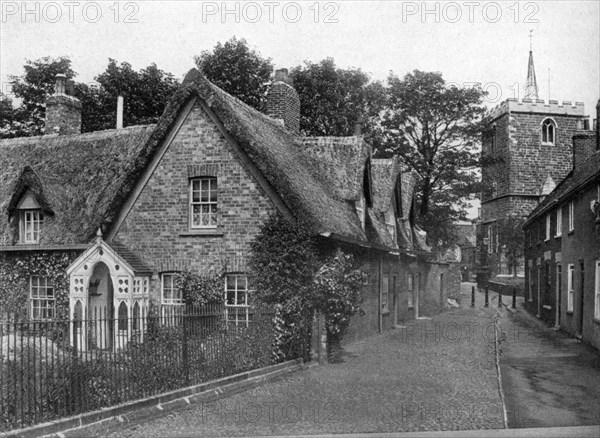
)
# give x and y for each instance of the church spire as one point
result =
(531, 88)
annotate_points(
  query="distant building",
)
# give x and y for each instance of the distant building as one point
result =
(526, 150)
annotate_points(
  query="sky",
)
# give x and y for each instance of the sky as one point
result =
(467, 41)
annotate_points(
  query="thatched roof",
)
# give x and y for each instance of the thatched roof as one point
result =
(74, 176)
(85, 179)
(341, 160)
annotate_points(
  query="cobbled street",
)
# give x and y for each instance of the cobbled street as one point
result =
(437, 374)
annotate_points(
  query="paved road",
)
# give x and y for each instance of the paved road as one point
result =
(549, 379)
(437, 374)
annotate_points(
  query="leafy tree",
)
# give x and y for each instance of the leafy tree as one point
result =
(435, 128)
(145, 93)
(511, 238)
(33, 87)
(332, 99)
(13, 122)
(237, 69)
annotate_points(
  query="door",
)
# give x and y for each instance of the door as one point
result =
(442, 291)
(394, 300)
(558, 294)
(581, 290)
(101, 308)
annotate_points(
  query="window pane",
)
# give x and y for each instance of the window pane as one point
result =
(231, 297)
(195, 196)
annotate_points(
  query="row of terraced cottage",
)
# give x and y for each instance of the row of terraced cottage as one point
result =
(104, 220)
(562, 245)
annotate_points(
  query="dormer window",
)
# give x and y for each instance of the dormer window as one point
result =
(31, 223)
(31, 219)
(548, 131)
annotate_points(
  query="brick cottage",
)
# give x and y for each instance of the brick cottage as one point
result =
(100, 222)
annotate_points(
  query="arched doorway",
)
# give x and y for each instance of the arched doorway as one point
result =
(101, 307)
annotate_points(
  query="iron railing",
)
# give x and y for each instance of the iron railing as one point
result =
(53, 369)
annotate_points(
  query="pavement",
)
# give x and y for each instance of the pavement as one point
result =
(437, 374)
(549, 378)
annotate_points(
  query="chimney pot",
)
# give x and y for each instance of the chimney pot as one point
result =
(120, 112)
(60, 85)
(63, 112)
(358, 128)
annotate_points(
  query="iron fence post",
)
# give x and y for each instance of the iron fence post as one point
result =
(472, 296)
(514, 297)
(500, 298)
(487, 296)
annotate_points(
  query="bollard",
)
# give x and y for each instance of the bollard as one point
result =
(500, 299)
(472, 296)
(487, 296)
(514, 303)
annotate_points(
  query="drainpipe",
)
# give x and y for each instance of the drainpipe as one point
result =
(380, 297)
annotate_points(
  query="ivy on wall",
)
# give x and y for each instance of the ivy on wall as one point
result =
(200, 290)
(290, 269)
(17, 267)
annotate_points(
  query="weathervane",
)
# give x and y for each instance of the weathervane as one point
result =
(530, 40)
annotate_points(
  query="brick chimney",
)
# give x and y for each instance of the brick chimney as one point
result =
(63, 110)
(283, 102)
(584, 145)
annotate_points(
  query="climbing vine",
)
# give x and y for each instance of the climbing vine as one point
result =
(290, 270)
(15, 271)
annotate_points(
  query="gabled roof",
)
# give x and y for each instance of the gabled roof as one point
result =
(76, 176)
(385, 174)
(341, 160)
(587, 172)
(277, 154)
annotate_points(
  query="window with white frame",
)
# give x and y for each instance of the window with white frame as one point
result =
(31, 223)
(548, 131)
(237, 307)
(571, 215)
(385, 289)
(203, 202)
(410, 281)
(559, 221)
(42, 299)
(570, 286)
(170, 293)
(548, 227)
(530, 295)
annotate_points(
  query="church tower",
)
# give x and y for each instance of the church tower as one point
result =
(526, 150)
